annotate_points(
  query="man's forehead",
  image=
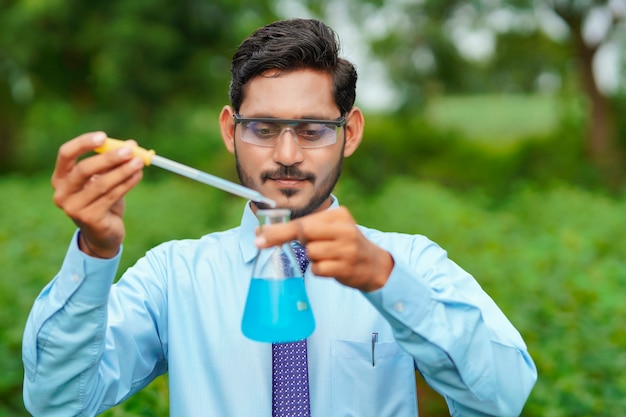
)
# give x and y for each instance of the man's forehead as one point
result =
(290, 94)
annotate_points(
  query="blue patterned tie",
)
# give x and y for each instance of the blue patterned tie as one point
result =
(290, 374)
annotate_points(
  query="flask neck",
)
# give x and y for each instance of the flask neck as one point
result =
(273, 216)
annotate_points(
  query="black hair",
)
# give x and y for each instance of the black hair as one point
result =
(291, 45)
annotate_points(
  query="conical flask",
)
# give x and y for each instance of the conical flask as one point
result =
(277, 307)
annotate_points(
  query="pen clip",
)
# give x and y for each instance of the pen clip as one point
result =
(374, 341)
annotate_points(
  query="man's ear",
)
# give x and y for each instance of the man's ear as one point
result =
(227, 128)
(354, 131)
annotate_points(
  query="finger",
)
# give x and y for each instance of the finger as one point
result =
(109, 169)
(321, 250)
(101, 163)
(71, 150)
(330, 269)
(101, 221)
(277, 234)
(84, 182)
(68, 164)
(101, 227)
(105, 189)
(329, 224)
(354, 272)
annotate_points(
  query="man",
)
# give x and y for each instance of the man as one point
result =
(385, 304)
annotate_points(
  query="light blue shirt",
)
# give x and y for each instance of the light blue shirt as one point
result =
(88, 344)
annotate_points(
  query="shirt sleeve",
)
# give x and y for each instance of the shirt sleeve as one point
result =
(461, 342)
(66, 368)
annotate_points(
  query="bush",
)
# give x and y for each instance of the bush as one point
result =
(554, 262)
(553, 259)
(33, 239)
(415, 148)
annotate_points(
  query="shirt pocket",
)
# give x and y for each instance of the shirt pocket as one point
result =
(359, 389)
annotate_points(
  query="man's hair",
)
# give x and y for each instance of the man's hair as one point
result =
(292, 45)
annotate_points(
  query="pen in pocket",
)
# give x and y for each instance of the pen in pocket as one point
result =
(374, 340)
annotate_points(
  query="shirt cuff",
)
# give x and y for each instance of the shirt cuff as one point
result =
(405, 297)
(84, 278)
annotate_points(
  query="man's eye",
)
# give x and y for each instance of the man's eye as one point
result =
(312, 132)
(264, 130)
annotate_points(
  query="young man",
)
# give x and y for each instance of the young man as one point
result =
(385, 304)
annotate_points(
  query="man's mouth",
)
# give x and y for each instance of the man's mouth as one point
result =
(288, 181)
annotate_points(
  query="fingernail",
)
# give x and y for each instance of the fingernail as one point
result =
(98, 138)
(124, 151)
(260, 241)
(136, 162)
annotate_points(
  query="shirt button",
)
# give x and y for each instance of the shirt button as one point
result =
(75, 278)
(399, 306)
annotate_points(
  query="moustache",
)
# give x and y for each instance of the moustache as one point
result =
(288, 173)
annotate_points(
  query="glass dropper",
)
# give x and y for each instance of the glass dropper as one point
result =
(151, 158)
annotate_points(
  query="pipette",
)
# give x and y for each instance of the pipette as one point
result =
(151, 158)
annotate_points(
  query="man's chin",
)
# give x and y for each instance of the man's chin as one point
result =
(307, 207)
(289, 192)
(291, 199)
(301, 202)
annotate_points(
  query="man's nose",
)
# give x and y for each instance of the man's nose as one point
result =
(287, 151)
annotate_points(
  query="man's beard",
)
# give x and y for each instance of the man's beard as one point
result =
(321, 195)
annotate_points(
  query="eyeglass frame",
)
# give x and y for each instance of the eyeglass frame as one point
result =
(337, 123)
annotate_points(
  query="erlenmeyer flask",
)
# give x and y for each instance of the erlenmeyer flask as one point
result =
(277, 308)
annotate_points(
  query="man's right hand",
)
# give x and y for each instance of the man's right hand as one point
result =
(91, 191)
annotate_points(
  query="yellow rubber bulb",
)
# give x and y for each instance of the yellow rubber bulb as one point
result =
(111, 144)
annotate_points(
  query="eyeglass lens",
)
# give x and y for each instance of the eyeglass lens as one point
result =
(307, 134)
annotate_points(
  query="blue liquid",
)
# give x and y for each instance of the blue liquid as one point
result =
(277, 310)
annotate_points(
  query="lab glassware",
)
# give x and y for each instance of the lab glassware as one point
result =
(277, 308)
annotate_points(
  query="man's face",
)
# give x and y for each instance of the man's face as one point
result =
(296, 178)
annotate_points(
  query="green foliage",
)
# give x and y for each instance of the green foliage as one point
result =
(554, 261)
(479, 144)
(33, 239)
(158, 72)
(552, 258)
(119, 66)
(496, 120)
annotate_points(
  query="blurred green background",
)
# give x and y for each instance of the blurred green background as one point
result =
(493, 127)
